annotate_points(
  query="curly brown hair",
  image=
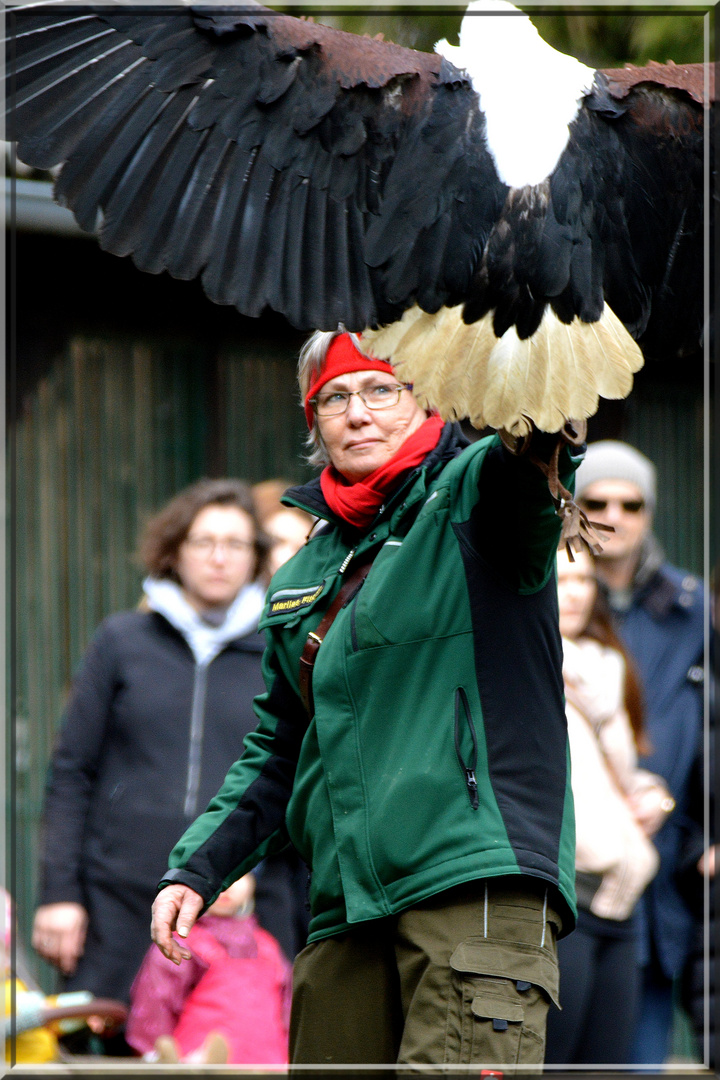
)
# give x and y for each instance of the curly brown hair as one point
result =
(165, 532)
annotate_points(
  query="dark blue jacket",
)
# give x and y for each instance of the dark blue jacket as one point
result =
(116, 795)
(664, 630)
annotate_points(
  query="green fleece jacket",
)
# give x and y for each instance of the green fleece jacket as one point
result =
(438, 750)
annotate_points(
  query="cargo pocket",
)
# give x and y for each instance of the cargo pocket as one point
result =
(493, 1020)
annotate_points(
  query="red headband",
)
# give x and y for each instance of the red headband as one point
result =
(342, 357)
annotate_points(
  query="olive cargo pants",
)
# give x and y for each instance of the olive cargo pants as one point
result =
(465, 977)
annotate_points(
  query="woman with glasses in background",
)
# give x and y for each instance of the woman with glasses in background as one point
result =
(157, 714)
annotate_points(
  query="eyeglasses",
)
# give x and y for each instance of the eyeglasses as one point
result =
(207, 545)
(630, 506)
(382, 396)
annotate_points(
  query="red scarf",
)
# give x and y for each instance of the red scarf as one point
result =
(360, 502)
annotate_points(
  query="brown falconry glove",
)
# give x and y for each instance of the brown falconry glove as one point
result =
(577, 529)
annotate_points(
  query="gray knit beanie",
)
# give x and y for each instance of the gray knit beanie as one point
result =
(612, 460)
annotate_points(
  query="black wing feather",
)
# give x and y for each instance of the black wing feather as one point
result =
(275, 255)
(293, 285)
(152, 170)
(159, 204)
(51, 112)
(245, 287)
(64, 39)
(336, 269)
(314, 252)
(191, 238)
(88, 177)
(231, 206)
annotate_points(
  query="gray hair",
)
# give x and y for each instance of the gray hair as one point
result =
(312, 359)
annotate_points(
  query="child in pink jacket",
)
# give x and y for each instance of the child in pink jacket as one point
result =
(229, 1003)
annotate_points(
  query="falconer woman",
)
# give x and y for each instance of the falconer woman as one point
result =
(412, 739)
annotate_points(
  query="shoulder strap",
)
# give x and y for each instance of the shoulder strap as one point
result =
(316, 637)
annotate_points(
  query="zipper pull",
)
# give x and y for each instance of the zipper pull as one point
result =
(472, 788)
(346, 561)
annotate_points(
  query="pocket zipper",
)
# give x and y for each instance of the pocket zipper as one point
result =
(468, 769)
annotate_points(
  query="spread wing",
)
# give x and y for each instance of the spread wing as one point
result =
(334, 178)
(265, 153)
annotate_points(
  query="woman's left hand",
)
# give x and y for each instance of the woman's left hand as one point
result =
(651, 804)
(59, 934)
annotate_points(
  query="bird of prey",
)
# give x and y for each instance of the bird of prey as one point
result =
(515, 229)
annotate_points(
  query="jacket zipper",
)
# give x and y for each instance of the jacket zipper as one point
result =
(197, 724)
(346, 561)
(468, 769)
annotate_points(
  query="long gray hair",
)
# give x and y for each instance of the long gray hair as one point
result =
(310, 364)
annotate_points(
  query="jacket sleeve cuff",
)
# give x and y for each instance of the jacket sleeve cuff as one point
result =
(68, 893)
(198, 884)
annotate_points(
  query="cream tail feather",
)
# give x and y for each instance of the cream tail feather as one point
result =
(466, 371)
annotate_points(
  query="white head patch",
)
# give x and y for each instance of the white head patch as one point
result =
(528, 91)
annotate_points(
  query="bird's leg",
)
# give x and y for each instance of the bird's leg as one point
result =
(577, 529)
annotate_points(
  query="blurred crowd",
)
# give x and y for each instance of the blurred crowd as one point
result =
(156, 716)
(163, 700)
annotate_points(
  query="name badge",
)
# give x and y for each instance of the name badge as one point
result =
(292, 599)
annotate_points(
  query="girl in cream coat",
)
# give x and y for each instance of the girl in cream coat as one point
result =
(618, 808)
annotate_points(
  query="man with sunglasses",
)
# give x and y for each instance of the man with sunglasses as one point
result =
(659, 613)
